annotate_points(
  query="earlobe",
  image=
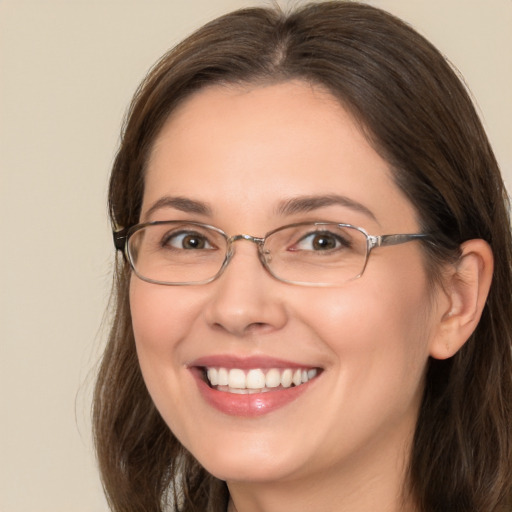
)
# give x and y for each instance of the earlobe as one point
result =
(465, 288)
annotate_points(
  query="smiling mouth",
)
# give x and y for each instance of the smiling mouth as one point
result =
(256, 380)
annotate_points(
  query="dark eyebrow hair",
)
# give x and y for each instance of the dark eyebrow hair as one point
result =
(180, 203)
(290, 206)
(303, 204)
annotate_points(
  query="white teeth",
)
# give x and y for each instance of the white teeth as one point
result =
(256, 380)
(223, 377)
(213, 376)
(273, 378)
(236, 378)
(286, 378)
(238, 391)
(312, 373)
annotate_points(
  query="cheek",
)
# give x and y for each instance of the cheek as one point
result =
(161, 319)
(161, 315)
(378, 330)
(376, 334)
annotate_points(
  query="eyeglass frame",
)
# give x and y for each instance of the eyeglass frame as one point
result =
(121, 239)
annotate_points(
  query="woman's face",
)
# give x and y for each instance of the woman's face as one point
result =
(238, 155)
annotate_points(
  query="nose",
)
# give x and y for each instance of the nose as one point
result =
(245, 299)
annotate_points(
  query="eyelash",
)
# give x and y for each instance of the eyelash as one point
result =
(340, 242)
(169, 237)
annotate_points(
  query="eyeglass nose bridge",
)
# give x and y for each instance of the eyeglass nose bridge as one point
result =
(263, 256)
(257, 240)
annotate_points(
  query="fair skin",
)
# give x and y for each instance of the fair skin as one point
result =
(343, 443)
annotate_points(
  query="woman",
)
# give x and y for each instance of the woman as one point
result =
(272, 349)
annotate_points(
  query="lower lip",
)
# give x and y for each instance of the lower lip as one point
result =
(248, 405)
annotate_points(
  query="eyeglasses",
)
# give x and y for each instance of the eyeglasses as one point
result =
(179, 252)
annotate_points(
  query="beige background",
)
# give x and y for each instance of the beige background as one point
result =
(67, 72)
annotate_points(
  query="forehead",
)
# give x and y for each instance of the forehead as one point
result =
(245, 149)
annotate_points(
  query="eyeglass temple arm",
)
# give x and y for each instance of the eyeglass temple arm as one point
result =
(120, 239)
(382, 240)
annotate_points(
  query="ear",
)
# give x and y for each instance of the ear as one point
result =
(465, 288)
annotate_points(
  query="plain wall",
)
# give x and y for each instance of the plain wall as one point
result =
(67, 71)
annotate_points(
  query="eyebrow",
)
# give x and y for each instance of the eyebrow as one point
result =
(183, 204)
(303, 204)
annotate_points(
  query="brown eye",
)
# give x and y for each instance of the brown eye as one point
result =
(320, 241)
(187, 241)
(323, 242)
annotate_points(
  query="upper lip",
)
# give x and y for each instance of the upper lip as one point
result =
(248, 362)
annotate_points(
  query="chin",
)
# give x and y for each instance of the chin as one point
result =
(248, 470)
(256, 462)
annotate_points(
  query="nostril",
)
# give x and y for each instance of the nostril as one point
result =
(247, 330)
(259, 327)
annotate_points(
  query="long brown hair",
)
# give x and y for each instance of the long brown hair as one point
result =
(419, 117)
